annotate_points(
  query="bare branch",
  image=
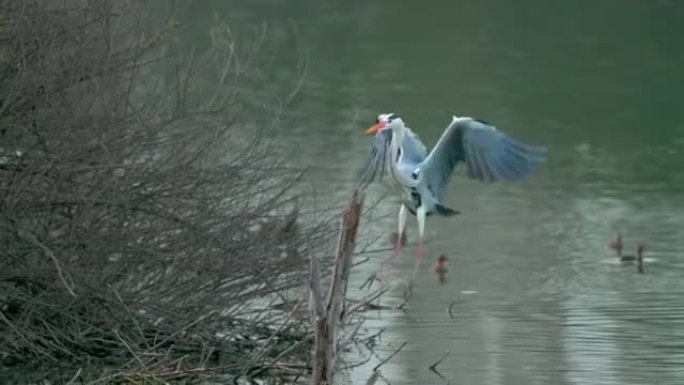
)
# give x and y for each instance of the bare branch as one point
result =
(383, 362)
(138, 221)
(433, 367)
(56, 262)
(326, 324)
(316, 299)
(373, 377)
(451, 306)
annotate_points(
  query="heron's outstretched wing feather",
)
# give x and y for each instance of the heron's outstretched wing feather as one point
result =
(413, 148)
(490, 155)
(375, 166)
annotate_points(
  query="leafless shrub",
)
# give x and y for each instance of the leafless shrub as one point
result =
(138, 211)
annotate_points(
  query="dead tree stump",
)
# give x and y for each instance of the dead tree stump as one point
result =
(326, 316)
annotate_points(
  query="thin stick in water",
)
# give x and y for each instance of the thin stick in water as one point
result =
(390, 357)
(433, 367)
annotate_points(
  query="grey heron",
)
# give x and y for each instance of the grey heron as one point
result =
(489, 155)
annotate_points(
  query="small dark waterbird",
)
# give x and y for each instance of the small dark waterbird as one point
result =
(440, 268)
(489, 155)
(639, 258)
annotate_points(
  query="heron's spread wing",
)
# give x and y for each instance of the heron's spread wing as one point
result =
(490, 155)
(414, 150)
(375, 166)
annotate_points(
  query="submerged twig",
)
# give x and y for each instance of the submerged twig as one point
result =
(373, 377)
(367, 303)
(407, 296)
(451, 305)
(383, 362)
(433, 367)
(369, 281)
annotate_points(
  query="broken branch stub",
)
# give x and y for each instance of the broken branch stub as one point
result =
(326, 318)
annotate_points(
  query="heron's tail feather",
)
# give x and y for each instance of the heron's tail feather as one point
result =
(445, 211)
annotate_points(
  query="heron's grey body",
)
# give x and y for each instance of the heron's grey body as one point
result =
(410, 157)
(489, 154)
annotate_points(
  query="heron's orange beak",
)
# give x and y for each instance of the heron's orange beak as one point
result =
(375, 128)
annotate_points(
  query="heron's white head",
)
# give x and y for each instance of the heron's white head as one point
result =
(390, 120)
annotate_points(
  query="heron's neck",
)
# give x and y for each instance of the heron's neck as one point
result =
(395, 144)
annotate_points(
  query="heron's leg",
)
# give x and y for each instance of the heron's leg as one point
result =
(400, 232)
(420, 216)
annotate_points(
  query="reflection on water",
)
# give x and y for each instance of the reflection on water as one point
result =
(533, 299)
(549, 305)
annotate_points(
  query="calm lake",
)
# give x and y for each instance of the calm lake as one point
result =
(536, 297)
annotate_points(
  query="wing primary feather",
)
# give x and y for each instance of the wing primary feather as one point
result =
(514, 164)
(506, 172)
(517, 165)
(482, 171)
(537, 153)
(533, 149)
(519, 162)
(489, 172)
(478, 163)
(516, 152)
(471, 162)
(500, 172)
(489, 154)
